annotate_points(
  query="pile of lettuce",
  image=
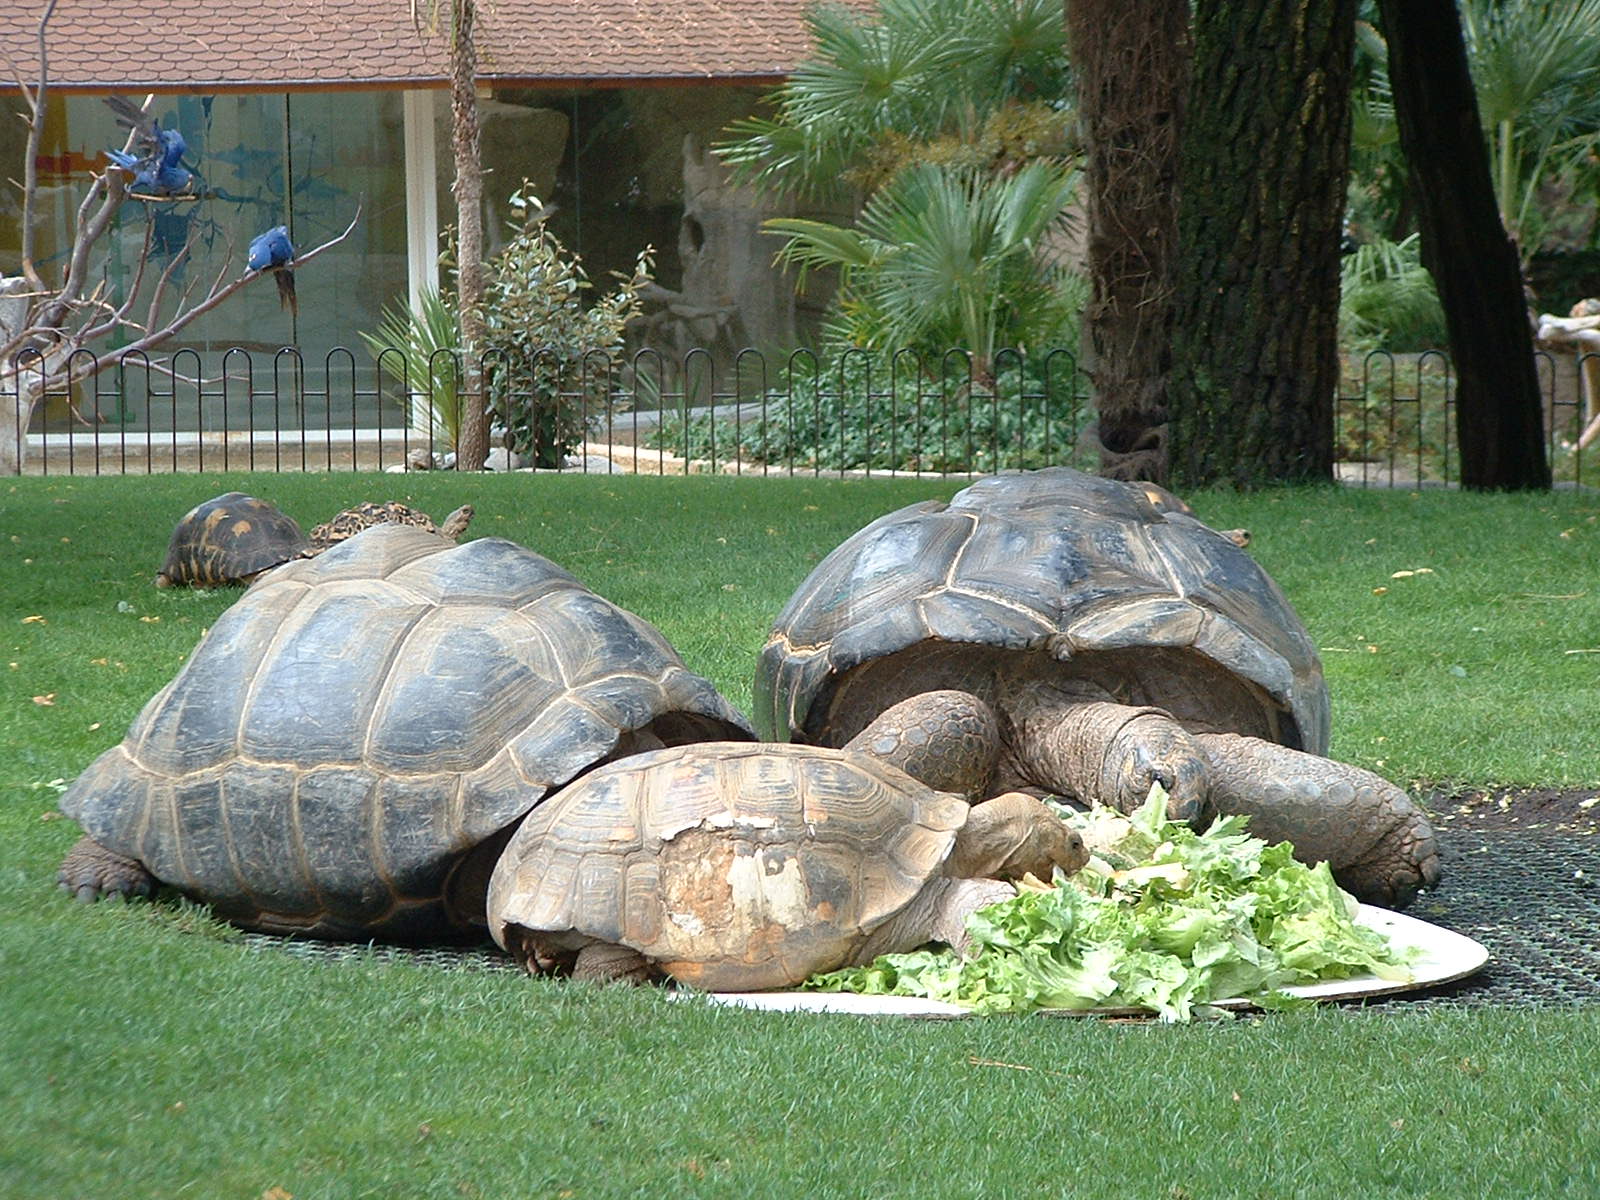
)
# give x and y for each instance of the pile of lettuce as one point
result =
(1162, 918)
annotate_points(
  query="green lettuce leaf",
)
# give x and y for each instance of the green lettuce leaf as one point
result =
(1163, 918)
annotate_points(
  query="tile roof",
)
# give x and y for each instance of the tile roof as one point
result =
(224, 45)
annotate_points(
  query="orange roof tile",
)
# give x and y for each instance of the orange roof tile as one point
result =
(274, 45)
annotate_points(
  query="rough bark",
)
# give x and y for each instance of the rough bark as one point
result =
(468, 192)
(1131, 64)
(1265, 155)
(1499, 422)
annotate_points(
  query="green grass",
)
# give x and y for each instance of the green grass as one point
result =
(149, 1052)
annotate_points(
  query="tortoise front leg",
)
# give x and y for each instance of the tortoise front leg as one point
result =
(1378, 843)
(946, 739)
(90, 872)
(603, 962)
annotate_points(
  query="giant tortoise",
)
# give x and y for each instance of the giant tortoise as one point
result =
(738, 867)
(1122, 644)
(352, 742)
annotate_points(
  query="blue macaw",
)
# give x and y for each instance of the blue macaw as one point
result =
(158, 171)
(273, 251)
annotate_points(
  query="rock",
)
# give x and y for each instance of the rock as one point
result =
(502, 459)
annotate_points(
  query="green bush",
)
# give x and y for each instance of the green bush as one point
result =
(1387, 299)
(862, 412)
(547, 358)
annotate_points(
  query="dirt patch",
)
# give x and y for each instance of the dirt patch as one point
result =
(1571, 810)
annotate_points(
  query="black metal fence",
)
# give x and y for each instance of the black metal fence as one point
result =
(861, 413)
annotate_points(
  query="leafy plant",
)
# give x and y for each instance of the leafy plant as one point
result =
(1168, 920)
(1387, 298)
(951, 117)
(1536, 72)
(547, 357)
(418, 350)
(917, 71)
(861, 412)
(947, 257)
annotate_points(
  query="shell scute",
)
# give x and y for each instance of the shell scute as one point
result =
(227, 540)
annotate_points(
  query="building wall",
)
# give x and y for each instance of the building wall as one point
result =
(620, 167)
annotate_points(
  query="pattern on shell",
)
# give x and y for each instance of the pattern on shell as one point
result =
(733, 867)
(1054, 563)
(358, 720)
(364, 515)
(226, 540)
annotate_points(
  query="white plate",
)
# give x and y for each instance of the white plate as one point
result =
(1443, 956)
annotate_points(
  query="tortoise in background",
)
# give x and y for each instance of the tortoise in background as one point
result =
(351, 521)
(1121, 642)
(233, 538)
(738, 867)
(229, 539)
(351, 743)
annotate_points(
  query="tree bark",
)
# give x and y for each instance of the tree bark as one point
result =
(1499, 415)
(1265, 155)
(1131, 64)
(468, 191)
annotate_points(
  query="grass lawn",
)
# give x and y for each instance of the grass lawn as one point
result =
(147, 1051)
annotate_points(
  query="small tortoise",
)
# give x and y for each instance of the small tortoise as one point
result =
(365, 515)
(1122, 642)
(352, 743)
(737, 867)
(229, 539)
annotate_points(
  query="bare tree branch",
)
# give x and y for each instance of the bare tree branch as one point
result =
(154, 338)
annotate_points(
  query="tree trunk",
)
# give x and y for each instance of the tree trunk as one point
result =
(1265, 154)
(468, 191)
(1499, 418)
(1131, 64)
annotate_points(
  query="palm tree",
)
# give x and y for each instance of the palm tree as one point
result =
(1131, 138)
(937, 80)
(943, 258)
(944, 123)
(458, 18)
(1535, 68)
(1536, 71)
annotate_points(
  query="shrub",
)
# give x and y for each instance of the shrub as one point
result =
(861, 412)
(1387, 298)
(542, 343)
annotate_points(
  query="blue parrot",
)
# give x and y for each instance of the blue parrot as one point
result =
(273, 251)
(158, 171)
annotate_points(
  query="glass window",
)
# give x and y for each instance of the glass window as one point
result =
(310, 161)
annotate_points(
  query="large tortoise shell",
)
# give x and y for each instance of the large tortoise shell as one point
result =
(359, 720)
(733, 867)
(229, 539)
(1075, 570)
